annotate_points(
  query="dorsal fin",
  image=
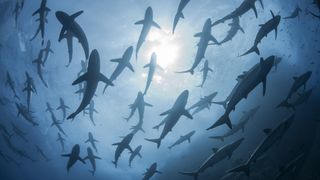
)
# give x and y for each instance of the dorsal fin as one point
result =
(75, 15)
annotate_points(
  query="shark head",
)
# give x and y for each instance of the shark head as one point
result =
(153, 167)
(182, 99)
(62, 17)
(266, 65)
(153, 59)
(94, 62)
(207, 26)
(89, 151)
(149, 14)
(128, 53)
(76, 150)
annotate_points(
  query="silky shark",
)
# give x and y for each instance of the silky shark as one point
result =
(40, 64)
(147, 23)
(17, 10)
(173, 116)
(121, 146)
(290, 167)
(29, 88)
(265, 29)
(139, 104)
(49, 108)
(26, 114)
(92, 158)
(244, 7)
(205, 37)
(273, 136)
(61, 140)
(15, 150)
(92, 78)
(57, 123)
(70, 29)
(179, 14)
(91, 110)
(135, 153)
(43, 12)
(151, 171)
(41, 153)
(203, 103)
(63, 107)
(205, 70)
(92, 141)
(246, 116)
(234, 28)
(11, 84)
(182, 139)
(152, 68)
(46, 52)
(218, 155)
(123, 62)
(74, 156)
(247, 82)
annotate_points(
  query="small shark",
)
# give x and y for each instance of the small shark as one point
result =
(15, 150)
(63, 108)
(29, 88)
(294, 14)
(43, 12)
(74, 156)
(205, 70)
(61, 140)
(92, 158)
(179, 14)
(42, 154)
(11, 84)
(92, 141)
(264, 30)
(205, 37)
(234, 28)
(147, 23)
(303, 97)
(46, 52)
(152, 68)
(121, 146)
(135, 153)
(290, 167)
(17, 10)
(40, 64)
(151, 171)
(70, 29)
(186, 137)
(91, 110)
(203, 103)
(57, 123)
(26, 114)
(139, 104)
(4, 130)
(92, 78)
(17, 131)
(137, 127)
(49, 108)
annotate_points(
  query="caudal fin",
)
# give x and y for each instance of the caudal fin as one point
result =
(193, 174)
(221, 138)
(243, 168)
(251, 50)
(115, 164)
(224, 119)
(222, 103)
(157, 141)
(191, 71)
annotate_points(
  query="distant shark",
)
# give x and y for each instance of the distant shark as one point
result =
(11, 84)
(43, 12)
(121, 146)
(92, 158)
(152, 68)
(295, 13)
(179, 14)
(234, 28)
(151, 171)
(135, 153)
(205, 70)
(186, 137)
(92, 141)
(74, 156)
(63, 108)
(40, 64)
(46, 52)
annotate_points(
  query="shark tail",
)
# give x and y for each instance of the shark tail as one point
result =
(251, 50)
(187, 71)
(72, 116)
(92, 172)
(193, 174)
(224, 119)
(157, 141)
(115, 164)
(243, 168)
(222, 103)
(221, 138)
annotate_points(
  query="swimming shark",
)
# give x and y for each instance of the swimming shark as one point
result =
(46, 51)
(186, 137)
(265, 29)
(29, 88)
(15, 150)
(43, 12)
(63, 108)
(40, 64)
(152, 68)
(179, 14)
(123, 62)
(74, 156)
(134, 153)
(92, 141)
(41, 153)
(203, 103)
(57, 123)
(11, 84)
(173, 116)
(151, 171)
(139, 104)
(121, 146)
(205, 70)
(61, 140)
(147, 23)
(92, 78)
(26, 114)
(49, 108)
(218, 155)
(273, 136)
(303, 97)
(234, 28)
(70, 28)
(247, 82)
(205, 37)
(91, 110)
(17, 10)
(4, 130)
(290, 167)
(92, 158)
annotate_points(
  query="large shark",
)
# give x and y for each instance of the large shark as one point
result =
(61, 140)
(265, 29)
(205, 70)
(244, 7)
(121, 146)
(139, 104)
(46, 52)
(272, 137)
(92, 141)
(151, 171)
(205, 37)
(91, 110)
(29, 88)
(179, 14)
(42, 154)
(186, 137)
(234, 28)
(70, 29)
(92, 158)
(74, 156)
(63, 108)
(43, 12)
(247, 82)
(134, 153)
(295, 13)
(203, 103)
(240, 126)
(92, 77)
(152, 68)
(123, 62)
(218, 155)
(40, 64)
(173, 116)
(11, 84)
(147, 23)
